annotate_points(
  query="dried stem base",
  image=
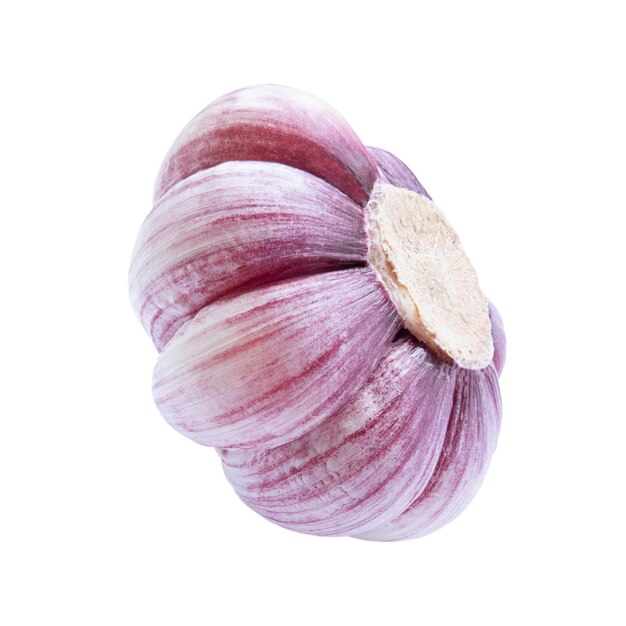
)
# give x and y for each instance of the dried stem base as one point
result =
(432, 283)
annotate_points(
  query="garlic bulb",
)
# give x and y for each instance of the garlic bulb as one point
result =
(317, 321)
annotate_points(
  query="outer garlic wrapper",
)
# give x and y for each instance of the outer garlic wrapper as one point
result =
(317, 321)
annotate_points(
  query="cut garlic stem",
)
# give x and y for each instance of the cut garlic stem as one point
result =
(419, 258)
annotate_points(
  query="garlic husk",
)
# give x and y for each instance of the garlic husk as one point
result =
(233, 228)
(362, 466)
(262, 368)
(470, 441)
(272, 123)
(393, 171)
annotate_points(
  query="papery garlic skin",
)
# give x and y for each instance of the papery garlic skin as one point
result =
(276, 124)
(280, 336)
(260, 369)
(470, 441)
(237, 226)
(393, 171)
(364, 466)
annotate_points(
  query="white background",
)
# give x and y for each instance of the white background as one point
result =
(513, 117)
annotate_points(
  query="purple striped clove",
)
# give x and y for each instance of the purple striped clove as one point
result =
(317, 321)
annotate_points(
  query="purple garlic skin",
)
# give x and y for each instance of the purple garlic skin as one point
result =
(283, 346)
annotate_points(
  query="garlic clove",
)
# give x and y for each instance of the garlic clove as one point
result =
(235, 227)
(469, 444)
(499, 339)
(363, 466)
(393, 171)
(272, 123)
(262, 368)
